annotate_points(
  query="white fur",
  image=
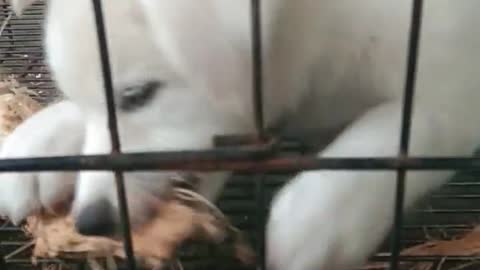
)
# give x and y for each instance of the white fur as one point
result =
(329, 65)
(54, 131)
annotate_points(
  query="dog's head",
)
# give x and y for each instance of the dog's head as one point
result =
(172, 69)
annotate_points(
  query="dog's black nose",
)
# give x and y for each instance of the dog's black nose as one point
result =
(96, 220)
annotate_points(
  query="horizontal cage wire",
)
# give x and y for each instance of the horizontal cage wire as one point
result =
(446, 214)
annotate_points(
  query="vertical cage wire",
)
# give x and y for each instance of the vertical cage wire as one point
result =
(257, 72)
(407, 111)
(257, 67)
(112, 119)
(113, 129)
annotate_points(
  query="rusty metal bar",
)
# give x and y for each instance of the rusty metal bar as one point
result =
(238, 161)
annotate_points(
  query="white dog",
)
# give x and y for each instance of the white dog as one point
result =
(334, 77)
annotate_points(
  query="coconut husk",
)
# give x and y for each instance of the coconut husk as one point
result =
(154, 243)
(16, 105)
(465, 245)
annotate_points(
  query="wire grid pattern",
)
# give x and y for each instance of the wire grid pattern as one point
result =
(21, 54)
(447, 213)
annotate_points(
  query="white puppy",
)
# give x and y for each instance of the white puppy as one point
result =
(334, 72)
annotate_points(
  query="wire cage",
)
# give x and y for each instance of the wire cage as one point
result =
(446, 214)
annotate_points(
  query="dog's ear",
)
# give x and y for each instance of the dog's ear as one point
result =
(18, 6)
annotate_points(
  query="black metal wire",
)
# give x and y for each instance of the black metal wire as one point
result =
(257, 70)
(257, 65)
(112, 125)
(260, 221)
(415, 27)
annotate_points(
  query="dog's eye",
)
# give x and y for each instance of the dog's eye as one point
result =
(137, 96)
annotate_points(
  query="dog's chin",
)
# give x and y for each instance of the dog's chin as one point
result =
(102, 216)
(147, 205)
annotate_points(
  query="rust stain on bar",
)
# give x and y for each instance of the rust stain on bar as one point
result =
(246, 161)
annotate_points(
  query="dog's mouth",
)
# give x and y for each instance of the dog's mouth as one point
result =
(144, 205)
(180, 183)
(185, 180)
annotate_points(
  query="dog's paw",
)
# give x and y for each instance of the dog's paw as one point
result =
(328, 220)
(57, 130)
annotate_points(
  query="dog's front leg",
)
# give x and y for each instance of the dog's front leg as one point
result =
(336, 219)
(56, 130)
